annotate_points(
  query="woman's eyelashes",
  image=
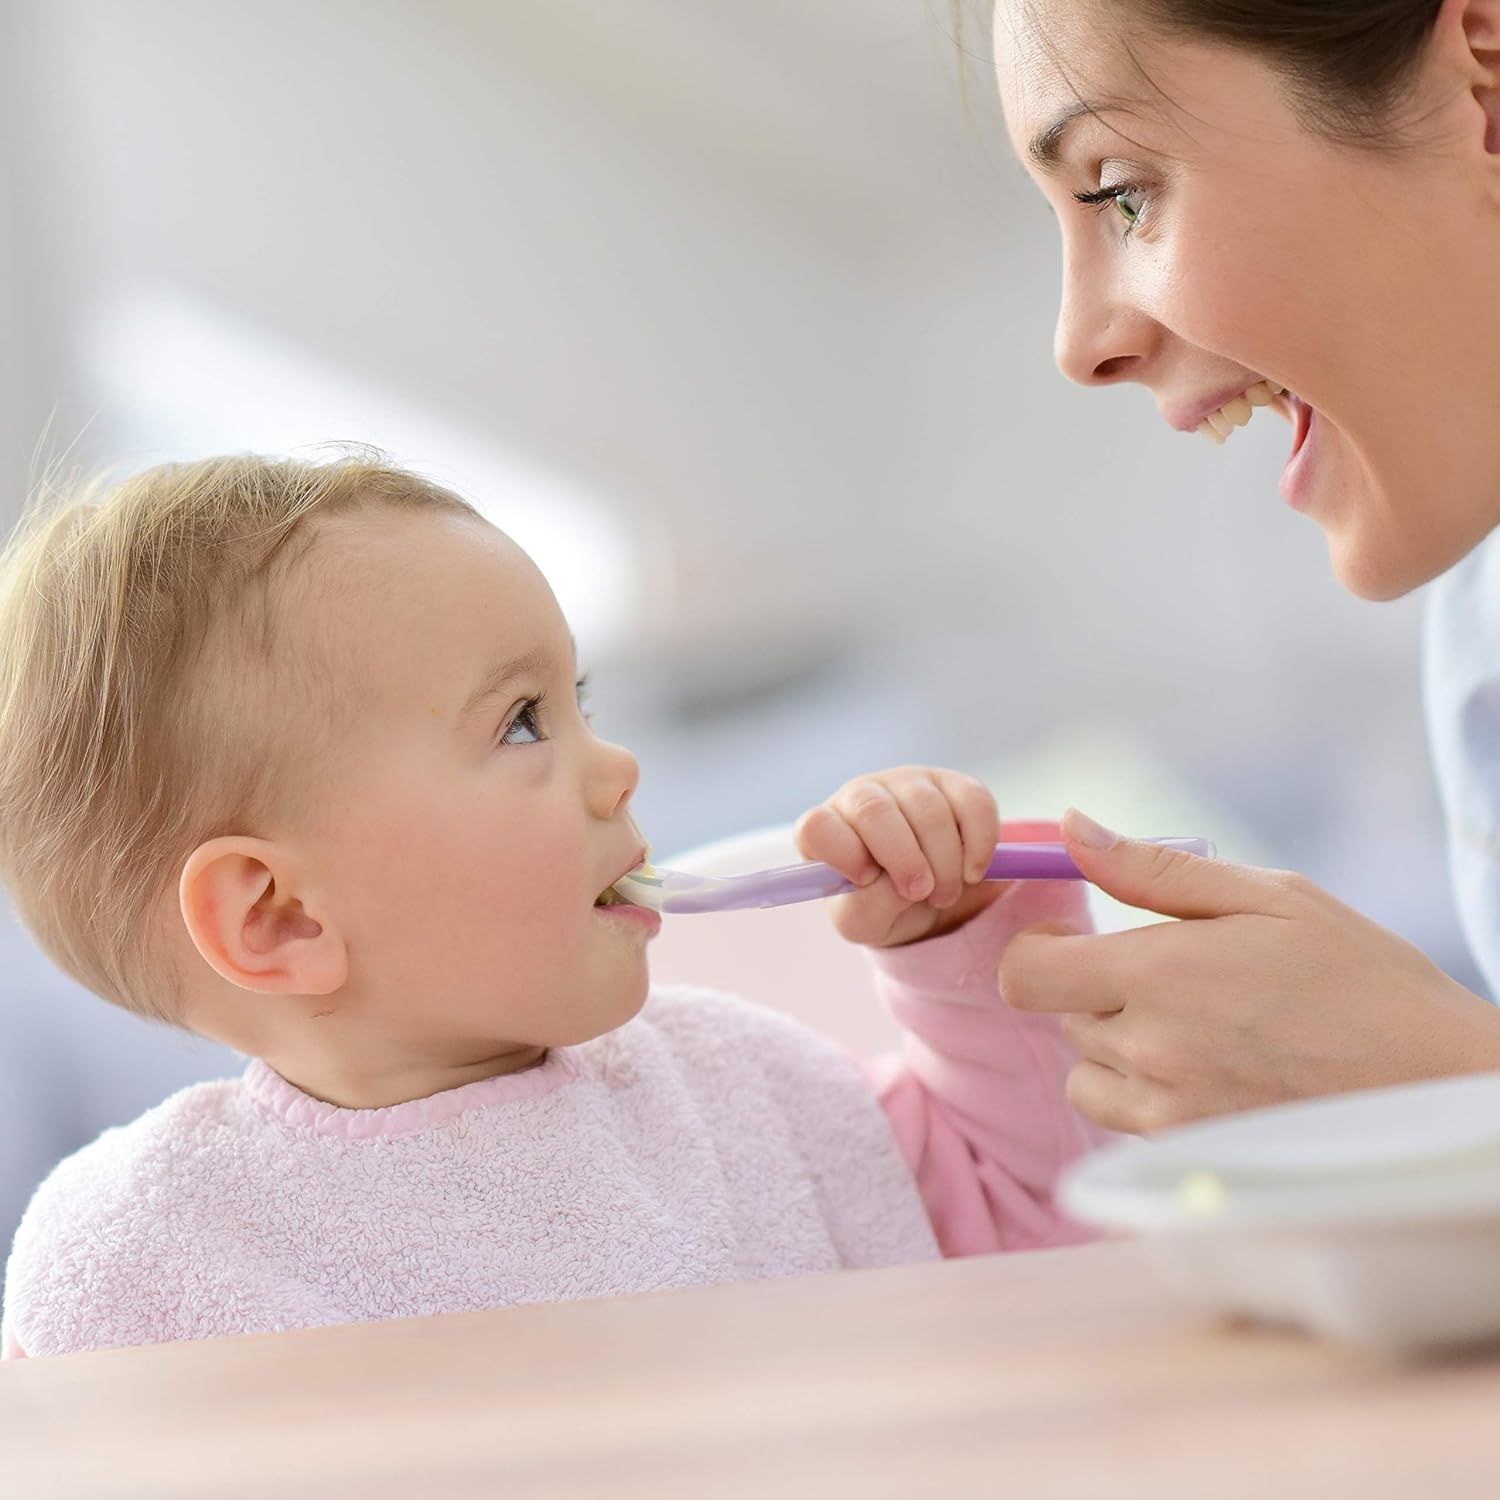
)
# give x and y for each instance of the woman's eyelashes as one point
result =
(1127, 197)
(526, 725)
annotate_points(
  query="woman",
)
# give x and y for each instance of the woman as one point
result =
(1298, 196)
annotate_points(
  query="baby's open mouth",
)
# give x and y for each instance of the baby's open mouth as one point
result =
(613, 896)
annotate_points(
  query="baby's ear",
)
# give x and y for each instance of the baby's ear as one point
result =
(239, 902)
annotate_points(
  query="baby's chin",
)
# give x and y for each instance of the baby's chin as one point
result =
(621, 1005)
(634, 1001)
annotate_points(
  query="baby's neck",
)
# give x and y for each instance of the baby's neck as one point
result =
(346, 1084)
(338, 1056)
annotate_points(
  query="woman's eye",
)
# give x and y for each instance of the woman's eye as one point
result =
(1131, 203)
(524, 729)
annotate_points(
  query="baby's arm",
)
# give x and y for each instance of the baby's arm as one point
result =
(977, 1097)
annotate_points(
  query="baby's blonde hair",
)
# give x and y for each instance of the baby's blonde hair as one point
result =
(141, 685)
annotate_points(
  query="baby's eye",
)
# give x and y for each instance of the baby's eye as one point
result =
(583, 698)
(524, 729)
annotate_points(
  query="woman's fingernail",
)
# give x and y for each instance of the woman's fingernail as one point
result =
(920, 888)
(1087, 832)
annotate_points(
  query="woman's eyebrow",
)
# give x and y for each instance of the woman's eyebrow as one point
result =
(1046, 149)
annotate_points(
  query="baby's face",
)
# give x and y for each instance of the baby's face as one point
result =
(475, 817)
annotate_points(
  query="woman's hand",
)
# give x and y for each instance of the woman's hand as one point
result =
(916, 841)
(1267, 990)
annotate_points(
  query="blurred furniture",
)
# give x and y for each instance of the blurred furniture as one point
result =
(1059, 1374)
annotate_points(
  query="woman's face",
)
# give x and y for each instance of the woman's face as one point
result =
(1237, 246)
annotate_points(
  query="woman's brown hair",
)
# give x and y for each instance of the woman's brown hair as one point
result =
(1347, 62)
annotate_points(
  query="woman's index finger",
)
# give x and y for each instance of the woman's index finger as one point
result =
(1055, 970)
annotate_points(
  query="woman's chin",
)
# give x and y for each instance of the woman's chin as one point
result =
(1385, 535)
(1374, 569)
(1364, 576)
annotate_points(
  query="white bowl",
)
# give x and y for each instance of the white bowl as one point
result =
(1372, 1217)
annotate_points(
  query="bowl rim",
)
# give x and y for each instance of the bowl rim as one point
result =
(1135, 1183)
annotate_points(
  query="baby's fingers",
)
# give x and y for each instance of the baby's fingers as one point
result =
(934, 821)
(823, 834)
(876, 915)
(872, 810)
(978, 817)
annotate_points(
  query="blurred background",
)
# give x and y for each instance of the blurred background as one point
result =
(738, 315)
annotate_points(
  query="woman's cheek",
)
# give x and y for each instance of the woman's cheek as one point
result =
(1214, 307)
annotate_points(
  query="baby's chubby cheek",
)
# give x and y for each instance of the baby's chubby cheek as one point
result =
(520, 876)
(531, 896)
(421, 844)
(497, 883)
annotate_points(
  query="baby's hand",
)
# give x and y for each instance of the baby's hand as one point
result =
(916, 841)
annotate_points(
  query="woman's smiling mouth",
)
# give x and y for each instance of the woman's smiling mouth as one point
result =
(1216, 421)
(1222, 420)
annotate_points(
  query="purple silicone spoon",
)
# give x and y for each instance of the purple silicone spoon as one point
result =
(678, 891)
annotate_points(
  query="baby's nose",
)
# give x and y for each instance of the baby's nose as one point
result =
(614, 777)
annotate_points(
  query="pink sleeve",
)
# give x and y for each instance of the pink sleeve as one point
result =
(976, 1096)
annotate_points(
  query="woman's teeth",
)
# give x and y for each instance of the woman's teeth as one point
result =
(1219, 424)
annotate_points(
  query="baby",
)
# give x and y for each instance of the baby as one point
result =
(292, 755)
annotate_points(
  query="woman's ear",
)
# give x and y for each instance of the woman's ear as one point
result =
(1474, 27)
(241, 909)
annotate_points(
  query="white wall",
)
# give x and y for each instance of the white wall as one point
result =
(755, 279)
(28, 362)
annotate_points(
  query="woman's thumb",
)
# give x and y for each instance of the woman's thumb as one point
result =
(1154, 877)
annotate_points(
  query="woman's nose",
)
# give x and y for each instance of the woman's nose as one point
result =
(1101, 339)
(614, 774)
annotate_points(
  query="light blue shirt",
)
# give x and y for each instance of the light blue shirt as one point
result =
(1461, 687)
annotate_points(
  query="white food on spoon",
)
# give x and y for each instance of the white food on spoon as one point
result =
(614, 896)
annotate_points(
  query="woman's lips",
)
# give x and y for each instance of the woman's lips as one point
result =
(1221, 422)
(1303, 414)
(1296, 477)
